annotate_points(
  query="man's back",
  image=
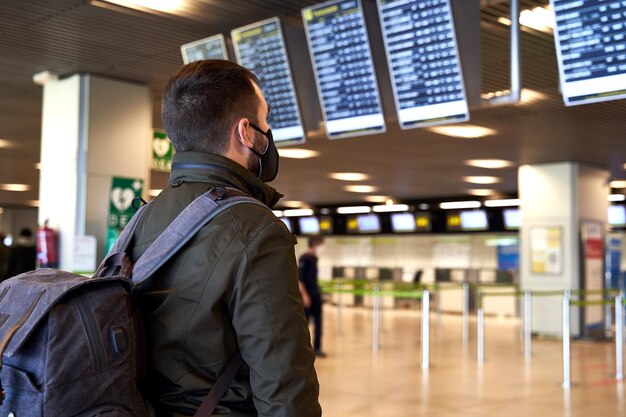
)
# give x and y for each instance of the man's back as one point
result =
(233, 286)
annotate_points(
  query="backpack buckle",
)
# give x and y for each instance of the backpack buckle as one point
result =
(220, 192)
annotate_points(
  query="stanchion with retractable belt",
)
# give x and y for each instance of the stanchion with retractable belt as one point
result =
(619, 338)
(480, 330)
(528, 350)
(426, 329)
(566, 340)
(376, 319)
(466, 308)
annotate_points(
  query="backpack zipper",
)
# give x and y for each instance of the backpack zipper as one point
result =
(93, 333)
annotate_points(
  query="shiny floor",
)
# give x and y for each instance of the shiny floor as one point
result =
(355, 381)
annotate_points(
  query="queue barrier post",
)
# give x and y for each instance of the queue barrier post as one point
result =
(528, 350)
(480, 330)
(339, 306)
(426, 329)
(376, 319)
(619, 338)
(566, 341)
(466, 308)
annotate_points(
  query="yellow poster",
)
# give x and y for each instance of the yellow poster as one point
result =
(546, 251)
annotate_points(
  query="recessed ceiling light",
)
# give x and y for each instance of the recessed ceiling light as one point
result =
(616, 197)
(360, 188)
(481, 180)
(376, 198)
(481, 192)
(167, 6)
(15, 187)
(5, 143)
(503, 203)
(38, 165)
(354, 210)
(297, 212)
(454, 205)
(293, 203)
(539, 18)
(463, 131)
(388, 208)
(489, 163)
(297, 153)
(618, 184)
(32, 203)
(349, 176)
(1, 210)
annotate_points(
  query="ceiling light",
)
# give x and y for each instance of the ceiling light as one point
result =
(297, 212)
(38, 165)
(15, 187)
(354, 210)
(616, 197)
(503, 203)
(481, 180)
(489, 163)
(167, 6)
(539, 18)
(293, 203)
(388, 208)
(376, 198)
(297, 153)
(349, 176)
(32, 203)
(463, 131)
(481, 192)
(423, 206)
(325, 211)
(531, 96)
(1, 210)
(154, 193)
(45, 77)
(618, 184)
(454, 205)
(360, 188)
(278, 213)
(5, 143)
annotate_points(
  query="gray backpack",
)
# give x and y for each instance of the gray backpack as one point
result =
(72, 345)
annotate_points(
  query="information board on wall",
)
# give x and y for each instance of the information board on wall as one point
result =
(344, 72)
(424, 63)
(212, 47)
(260, 47)
(590, 41)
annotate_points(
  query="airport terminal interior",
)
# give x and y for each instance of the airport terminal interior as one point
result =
(464, 160)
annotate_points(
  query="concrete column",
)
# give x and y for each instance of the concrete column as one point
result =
(93, 129)
(555, 199)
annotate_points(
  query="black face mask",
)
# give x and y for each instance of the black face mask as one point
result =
(268, 160)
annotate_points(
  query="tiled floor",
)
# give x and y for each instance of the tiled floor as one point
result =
(357, 382)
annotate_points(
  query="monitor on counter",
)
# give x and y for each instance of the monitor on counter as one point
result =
(403, 222)
(287, 222)
(472, 220)
(589, 37)
(344, 72)
(212, 47)
(424, 62)
(617, 216)
(260, 47)
(309, 225)
(368, 223)
(512, 219)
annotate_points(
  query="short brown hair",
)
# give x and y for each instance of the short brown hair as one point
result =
(201, 102)
(315, 240)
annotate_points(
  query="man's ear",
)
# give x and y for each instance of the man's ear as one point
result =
(242, 133)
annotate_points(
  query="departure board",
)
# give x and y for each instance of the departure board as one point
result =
(344, 72)
(423, 60)
(260, 47)
(212, 47)
(590, 38)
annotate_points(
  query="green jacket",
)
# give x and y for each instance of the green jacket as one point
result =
(234, 285)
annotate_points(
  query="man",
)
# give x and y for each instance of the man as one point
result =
(234, 285)
(23, 255)
(309, 289)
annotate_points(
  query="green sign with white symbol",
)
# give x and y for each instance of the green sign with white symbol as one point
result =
(121, 210)
(162, 152)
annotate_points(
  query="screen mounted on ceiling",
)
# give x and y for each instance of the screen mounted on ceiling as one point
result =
(260, 47)
(212, 47)
(423, 59)
(591, 50)
(344, 72)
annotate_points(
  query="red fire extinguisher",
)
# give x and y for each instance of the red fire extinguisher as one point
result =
(47, 247)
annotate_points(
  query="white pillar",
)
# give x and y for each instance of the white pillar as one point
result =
(555, 198)
(93, 129)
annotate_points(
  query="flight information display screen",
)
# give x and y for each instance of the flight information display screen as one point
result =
(590, 38)
(424, 63)
(344, 72)
(260, 47)
(212, 47)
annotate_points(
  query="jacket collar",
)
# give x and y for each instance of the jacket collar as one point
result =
(219, 170)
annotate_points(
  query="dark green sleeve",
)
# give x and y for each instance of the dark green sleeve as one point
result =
(268, 317)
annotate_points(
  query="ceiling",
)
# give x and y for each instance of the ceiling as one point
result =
(69, 36)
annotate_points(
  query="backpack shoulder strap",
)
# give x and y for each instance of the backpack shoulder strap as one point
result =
(193, 218)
